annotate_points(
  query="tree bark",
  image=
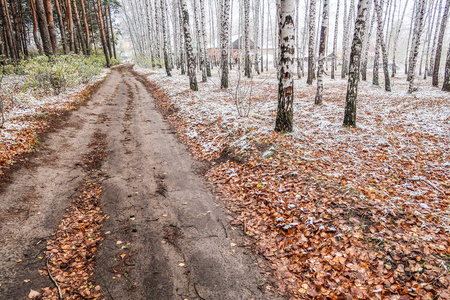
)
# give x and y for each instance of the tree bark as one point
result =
(86, 28)
(366, 45)
(102, 33)
(61, 27)
(247, 62)
(256, 34)
(205, 47)
(336, 27)
(437, 61)
(396, 38)
(322, 46)
(355, 62)
(416, 43)
(7, 27)
(51, 25)
(78, 25)
(387, 80)
(224, 20)
(286, 39)
(43, 28)
(166, 54)
(345, 41)
(311, 46)
(446, 85)
(188, 42)
(68, 9)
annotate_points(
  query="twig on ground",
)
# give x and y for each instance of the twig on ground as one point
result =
(53, 279)
(427, 182)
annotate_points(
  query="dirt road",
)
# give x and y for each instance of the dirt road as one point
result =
(162, 215)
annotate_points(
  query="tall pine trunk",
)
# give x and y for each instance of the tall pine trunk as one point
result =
(188, 45)
(61, 27)
(68, 10)
(102, 33)
(86, 28)
(322, 46)
(51, 25)
(43, 28)
(78, 25)
(286, 40)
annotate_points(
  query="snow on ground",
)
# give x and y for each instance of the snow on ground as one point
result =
(21, 106)
(390, 173)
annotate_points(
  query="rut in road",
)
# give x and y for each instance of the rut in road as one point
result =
(167, 236)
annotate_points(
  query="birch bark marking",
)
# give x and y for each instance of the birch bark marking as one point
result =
(225, 11)
(336, 27)
(322, 45)
(164, 29)
(355, 62)
(397, 35)
(205, 48)
(437, 61)
(415, 47)
(188, 44)
(446, 86)
(312, 28)
(286, 31)
(247, 67)
(387, 81)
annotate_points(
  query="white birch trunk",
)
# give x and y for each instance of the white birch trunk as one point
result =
(188, 45)
(437, 61)
(224, 19)
(336, 28)
(286, 40)
(322, 47)
(355, 62)
(416, 43)
(387, 80)
(311, 47)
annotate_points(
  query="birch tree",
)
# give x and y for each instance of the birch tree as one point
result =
(224, 21)
(322, 46)
(446, 85)
(396, 38)
(311, 47)
(336, 27)
(247, 66)
(286, 40)
(188, 45)
(416, 43)
(387, 81)
(164, 30)
(355, 62)
(437, 61)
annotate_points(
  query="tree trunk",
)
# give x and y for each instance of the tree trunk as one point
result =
(247, 62)
(43, 28)
(86, 28)
(68, 10)
(446, 86)
(32, 5)
(7, 27)
(205, 47)
(166, 54)
(224, 20)
(416, 43)
(199, 41)
(345, 41)
(106, 29)
(355, 62)
(188, 42)
(311, 47)
(102, 32)
(322, 46)
(409, 36)
(396, 38)
(366, 46)
(17, 29)
(376, 61)
(51, 25)
(336, 27)
(437, 61)
(256, 34)
(79, 30)
(387, 80)
(61, 27)
(286, 39)
(435, 38)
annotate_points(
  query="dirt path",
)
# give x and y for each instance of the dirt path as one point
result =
(167, 236)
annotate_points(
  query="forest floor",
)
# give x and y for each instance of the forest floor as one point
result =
(111, 205)
(336, 211)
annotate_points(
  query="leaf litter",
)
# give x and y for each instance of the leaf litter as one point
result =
(337, 211)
